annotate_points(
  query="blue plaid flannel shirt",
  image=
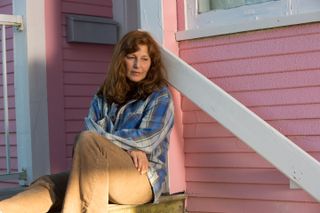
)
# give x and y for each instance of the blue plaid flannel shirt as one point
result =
(139, 124)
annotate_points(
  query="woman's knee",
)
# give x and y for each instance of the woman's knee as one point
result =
(85, 135)
(84, 139)
(91, 143)
(43, 181)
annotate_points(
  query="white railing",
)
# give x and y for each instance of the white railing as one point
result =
(5, 21)
(287, 157)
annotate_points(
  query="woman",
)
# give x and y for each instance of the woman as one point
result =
(121, 157)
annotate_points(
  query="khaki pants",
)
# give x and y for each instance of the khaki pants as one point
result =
(101, 172)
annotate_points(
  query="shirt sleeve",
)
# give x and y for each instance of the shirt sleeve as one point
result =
(98, 119)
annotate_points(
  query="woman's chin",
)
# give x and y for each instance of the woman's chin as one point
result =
(135, 79)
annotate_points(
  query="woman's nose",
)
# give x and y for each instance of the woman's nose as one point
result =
(136, 63)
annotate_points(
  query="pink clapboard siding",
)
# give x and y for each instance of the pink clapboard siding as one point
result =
(276, 73)
(6, 8)
(82, 69)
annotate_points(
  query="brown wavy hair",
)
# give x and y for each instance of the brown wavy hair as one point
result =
(117, 87)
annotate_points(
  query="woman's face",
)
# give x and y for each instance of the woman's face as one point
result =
(138, 64)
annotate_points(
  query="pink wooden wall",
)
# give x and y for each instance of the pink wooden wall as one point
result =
(176, 151)
(276, 73)
(6, 8)
(75, 72)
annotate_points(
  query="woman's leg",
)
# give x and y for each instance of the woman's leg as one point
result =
(60, 182)
(126, 184)
(42, 195)
(100, 167)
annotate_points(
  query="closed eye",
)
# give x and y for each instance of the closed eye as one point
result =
(145, 59)
(130, 57)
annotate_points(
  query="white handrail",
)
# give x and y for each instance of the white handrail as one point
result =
(286, 156)
(11, 20)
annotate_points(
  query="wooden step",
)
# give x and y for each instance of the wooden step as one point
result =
(167, 204)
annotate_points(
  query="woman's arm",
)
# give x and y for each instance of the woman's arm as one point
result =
(154, 127)
(100, 121)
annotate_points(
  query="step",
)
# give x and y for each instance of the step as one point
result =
(167, 204)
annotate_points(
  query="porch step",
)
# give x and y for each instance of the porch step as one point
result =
(166, 204)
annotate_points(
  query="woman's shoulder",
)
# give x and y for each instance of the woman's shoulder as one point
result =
(160, 96)
(162, 92)
(98, 101)
(97, 98)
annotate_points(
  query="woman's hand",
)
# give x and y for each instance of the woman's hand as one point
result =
(140, 160)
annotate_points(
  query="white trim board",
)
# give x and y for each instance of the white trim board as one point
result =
(31, 90)
(151, 18)
(125, 12)
(248, 26)
(139, 14)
